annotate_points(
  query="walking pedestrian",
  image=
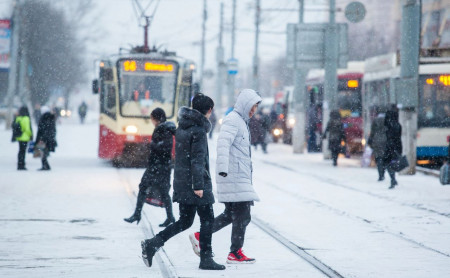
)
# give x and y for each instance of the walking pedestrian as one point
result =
(336, 132)
(82, 111)
(234, 176)
(156, 177)
(22, 133)
(46, 135)
(192, 182)
(377, 141)
(258, 131)
(393, 143)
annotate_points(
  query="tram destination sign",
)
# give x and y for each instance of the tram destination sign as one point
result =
(145, 65)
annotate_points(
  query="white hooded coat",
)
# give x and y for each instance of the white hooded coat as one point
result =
(234, 152)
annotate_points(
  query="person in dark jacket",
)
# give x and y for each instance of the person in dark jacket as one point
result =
(336, 132)
(82, 111)
(157, 175)
(393, 142)
(377, 141)
(46, 134)
(23, 119)
(192, 187)
(258, 130)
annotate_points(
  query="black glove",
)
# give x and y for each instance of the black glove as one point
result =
(223, 174)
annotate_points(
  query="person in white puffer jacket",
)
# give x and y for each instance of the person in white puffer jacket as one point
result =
(234, 175)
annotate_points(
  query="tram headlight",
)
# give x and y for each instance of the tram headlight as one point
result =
(131, 129)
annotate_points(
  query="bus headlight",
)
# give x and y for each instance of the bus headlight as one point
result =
(291, 122)
(277, 131)
(131, 129)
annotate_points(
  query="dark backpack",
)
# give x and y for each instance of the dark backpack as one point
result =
(16, 129)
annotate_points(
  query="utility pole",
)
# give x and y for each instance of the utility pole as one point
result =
(256, 58)
(202, 64)
(12, 76)
(298, 138)
(409, 77)
(331, 64)
(231, 77)
(221, 67)
(147, 24)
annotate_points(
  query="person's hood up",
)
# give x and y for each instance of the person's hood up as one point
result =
(167, 125)
(245, 101)
(188, 117)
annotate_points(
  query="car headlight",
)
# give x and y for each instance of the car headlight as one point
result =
(131, 129)
(291, 122)
(277, 131)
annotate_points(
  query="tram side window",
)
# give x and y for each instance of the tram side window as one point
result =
(183, 98)
(109, 100)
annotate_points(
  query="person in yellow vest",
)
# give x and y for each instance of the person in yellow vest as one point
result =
(26, 135)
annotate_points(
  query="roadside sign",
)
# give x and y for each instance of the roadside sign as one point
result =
(232, 66)
(355, 12)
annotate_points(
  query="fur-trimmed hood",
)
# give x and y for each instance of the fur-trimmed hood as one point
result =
(188, 117)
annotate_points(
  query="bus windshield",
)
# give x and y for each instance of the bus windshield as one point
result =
(349, 103)
(145, 85)
(434, 103)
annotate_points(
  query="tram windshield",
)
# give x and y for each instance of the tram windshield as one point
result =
(434, 102)
(145, 85)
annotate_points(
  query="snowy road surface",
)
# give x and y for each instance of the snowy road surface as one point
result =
(68, 222)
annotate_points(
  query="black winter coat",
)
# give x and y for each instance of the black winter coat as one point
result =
(335, 128)
(192, 159)
(393, 137)
(47, 131)
(157, 174)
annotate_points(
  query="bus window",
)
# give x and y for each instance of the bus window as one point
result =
(434, 104)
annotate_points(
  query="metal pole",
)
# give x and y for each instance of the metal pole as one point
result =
(331, 61)
(409, 75)
(12, 76)
(256, 58)
(147, 24)
(202, 64)
(298, 138)
(220, 62)
(231, 77)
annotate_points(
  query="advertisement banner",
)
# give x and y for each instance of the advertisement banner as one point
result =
(5, 42)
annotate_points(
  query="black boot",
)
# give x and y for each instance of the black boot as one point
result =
(134, 217)
(207, 262)
(167, 222)
(149, 248)
(393, 184)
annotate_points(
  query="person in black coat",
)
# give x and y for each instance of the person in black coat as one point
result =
(156, 177)
(335, 128)
(393, 143)
(192, 182)
(46, 134)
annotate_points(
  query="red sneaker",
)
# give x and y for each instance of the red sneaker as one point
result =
(195, 241)
(238, 257)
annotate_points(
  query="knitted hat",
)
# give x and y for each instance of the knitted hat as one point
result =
(159, 115)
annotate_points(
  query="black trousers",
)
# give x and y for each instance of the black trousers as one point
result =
(380, 166)
(44, 160)
(237, 214)
(21, 155)
(187, 215)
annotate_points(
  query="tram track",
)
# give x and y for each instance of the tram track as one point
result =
(337, 184)
(165, 264)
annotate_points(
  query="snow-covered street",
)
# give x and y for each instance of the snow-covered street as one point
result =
(68, 222)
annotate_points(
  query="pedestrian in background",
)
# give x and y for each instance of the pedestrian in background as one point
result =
(393, 143)
(234, 176)
(213, 120)
(192, 186)
(37, 113)
(46, 136)
(377, 141)
(335, 129)
(156, 177)
(82, 111)
(258, 130)
(22, 133)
